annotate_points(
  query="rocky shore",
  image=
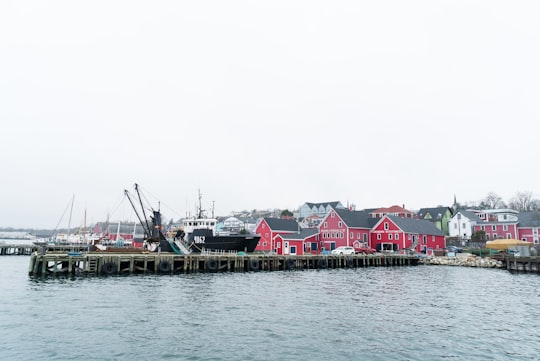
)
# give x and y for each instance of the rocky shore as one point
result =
(464, 260)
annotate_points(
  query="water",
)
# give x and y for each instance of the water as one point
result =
(402, 313)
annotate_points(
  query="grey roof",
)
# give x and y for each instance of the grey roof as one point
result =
(279, 224)
(356, 219)
(413, 225)
(433, 212)
(324, 204)
(471, 215)
(303, 234)
(529, 219)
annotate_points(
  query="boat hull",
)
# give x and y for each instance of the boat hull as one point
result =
(238, 243)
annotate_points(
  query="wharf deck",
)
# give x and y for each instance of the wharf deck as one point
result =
(523, 264)
(107, 264)
(28, 249)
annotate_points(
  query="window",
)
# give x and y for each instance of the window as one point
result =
(332, 215)
(389, 235)
(325, 225)
(396, 236)
(424, 239)
(378, 236)
(508, 236)
(340, 224)
(266, 235)
(493, 227)
(505, 227)
(386, 225)
(365, 237)
(352, 235)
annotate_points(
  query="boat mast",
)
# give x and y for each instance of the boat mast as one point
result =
(142, 208)
(200, 215)
(144, 225)
(70, 213)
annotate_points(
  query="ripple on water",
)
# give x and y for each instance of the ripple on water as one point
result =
(409, 313)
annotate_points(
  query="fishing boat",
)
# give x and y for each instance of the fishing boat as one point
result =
(200, 233)
(196, 235)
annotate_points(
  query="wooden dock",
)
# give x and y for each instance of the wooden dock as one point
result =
(108, 264)
(28, 249)
(523, 264)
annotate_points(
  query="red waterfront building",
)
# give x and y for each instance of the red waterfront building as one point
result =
(393, 233)
(344, 227)
(299, 243)
(268, 228)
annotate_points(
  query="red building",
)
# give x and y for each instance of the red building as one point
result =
(268, 228)
(300, 243)
(343, 227)
(391, 211)
(497, 230)
(393, 233)
(529, 227)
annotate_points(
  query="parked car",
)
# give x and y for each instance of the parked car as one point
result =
(454, 249)
(364, 250)
(343, 250)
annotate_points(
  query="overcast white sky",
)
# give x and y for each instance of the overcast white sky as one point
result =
(264, 104)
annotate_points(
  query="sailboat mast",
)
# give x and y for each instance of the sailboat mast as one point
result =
(70, 213)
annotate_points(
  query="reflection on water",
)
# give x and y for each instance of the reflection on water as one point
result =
(407, 313)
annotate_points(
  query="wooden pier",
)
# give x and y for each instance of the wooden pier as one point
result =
(16, 249)
(523, 264)
(107, 264)
(28, 249)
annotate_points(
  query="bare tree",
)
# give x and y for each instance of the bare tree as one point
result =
(523, 201)
(492, 201)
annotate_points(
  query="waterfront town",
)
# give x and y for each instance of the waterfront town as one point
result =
(314, 228)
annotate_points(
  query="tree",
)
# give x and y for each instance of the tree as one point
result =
(523, 202)
(492, 201)
(286, 213)
(478, 236)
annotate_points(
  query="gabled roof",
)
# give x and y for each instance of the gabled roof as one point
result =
(279, 224)
(324, 204)
(470, 215)
(303, 234)
(391, 210)
(434, 212)
(412, 225)
(356, 219)
(529, 219)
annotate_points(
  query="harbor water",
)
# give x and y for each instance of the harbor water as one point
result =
(396, 313)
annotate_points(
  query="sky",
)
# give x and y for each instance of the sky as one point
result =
(263, 104)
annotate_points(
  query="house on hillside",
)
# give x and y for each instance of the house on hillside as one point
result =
(529, 227)
(318, 209)
(395, 233)
(440, 216)
(391, 211)
(497, 223)
(237, 224)
(343, 227)
(461, 226)
(268, 228)
(299, 243)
